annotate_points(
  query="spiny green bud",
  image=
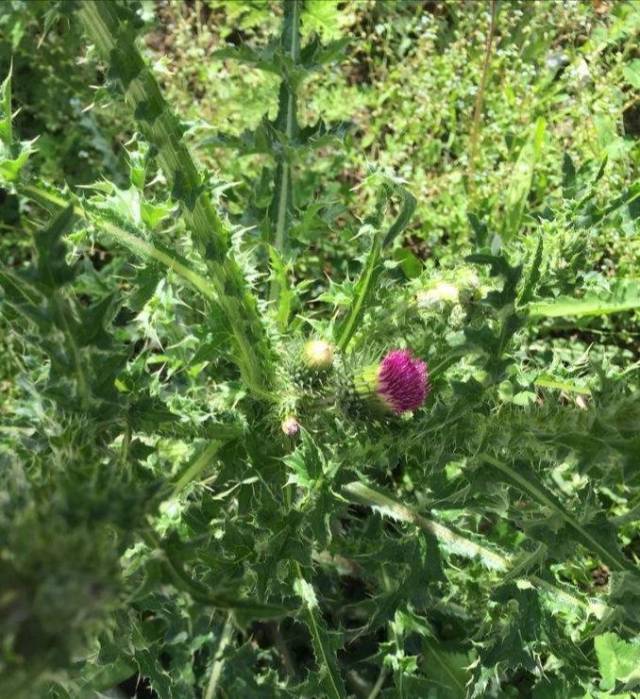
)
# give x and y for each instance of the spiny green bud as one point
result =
(469, 285)
(318, 355)
(442, 294)
(438, 296)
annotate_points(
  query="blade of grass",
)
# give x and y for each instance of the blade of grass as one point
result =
(477, 108)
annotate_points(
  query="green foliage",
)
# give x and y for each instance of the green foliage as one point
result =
(157, 526)
(618, 661)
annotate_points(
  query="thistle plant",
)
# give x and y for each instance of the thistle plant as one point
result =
(209, 496)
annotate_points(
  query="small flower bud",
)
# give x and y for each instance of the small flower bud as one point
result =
(469, 285)
(318, 355)
(290, 426)
(438, 296)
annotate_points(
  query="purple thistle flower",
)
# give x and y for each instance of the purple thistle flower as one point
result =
(403, 381)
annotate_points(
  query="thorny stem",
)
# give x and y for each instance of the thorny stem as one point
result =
(286, 120)
(311, 611)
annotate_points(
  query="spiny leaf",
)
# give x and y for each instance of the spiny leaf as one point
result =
(127, 235)
(535, 270)
(595, 538)
(447, 668)
(114, 40)
(325, 644)
(624, 296)
(13, 154)
(373, 265)
(449, 539)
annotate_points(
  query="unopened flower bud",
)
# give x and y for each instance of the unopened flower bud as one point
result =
(469, 285)
(290, 426)
(318, 355)
(438, 296)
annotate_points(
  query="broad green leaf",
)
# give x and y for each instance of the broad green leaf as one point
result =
(322, 17)
(447, 668)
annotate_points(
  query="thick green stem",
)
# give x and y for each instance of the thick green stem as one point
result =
(287, 123)
(196, 466)
(114, 41)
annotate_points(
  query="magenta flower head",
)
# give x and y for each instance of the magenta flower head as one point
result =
(399, 383)
(403, 381)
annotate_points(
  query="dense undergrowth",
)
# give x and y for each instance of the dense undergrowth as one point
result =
(217, 219)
